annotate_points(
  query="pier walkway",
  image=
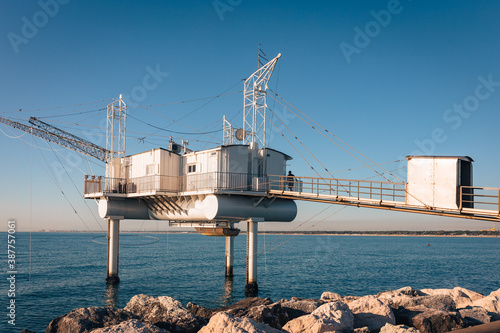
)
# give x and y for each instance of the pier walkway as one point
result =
(479, 203)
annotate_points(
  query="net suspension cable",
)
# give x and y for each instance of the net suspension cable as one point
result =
(347, 151)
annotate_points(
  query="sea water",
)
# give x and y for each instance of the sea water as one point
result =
(58, 272)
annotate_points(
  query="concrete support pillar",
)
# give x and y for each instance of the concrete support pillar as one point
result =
(252, 233)
(113, 246)
(229, 256)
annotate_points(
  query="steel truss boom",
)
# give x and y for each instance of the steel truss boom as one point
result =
(60, 137)
(255, 104)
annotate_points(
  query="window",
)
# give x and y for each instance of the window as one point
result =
(191, 168)
(150, 169)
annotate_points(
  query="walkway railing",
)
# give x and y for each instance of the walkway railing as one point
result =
(187, 183)
(359, 189)
(471, 199)
(96, 185)
(486, 198)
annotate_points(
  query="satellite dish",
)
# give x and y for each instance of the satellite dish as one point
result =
(239, 134)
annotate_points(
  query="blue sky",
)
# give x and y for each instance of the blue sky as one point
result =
(381, 75)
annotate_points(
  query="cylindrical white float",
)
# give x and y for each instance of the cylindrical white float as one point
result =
(231, 208)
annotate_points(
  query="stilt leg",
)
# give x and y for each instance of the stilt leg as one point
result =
(229, 256)
(113, 246)
(251, 286)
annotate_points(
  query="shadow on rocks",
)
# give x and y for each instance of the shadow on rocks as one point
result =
(261, 310)
(88, 319)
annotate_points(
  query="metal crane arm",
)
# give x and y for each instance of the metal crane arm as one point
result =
(62, 138)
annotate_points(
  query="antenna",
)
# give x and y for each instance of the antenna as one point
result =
(262, 55)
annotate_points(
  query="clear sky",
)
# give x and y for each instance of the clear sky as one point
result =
(382, 75)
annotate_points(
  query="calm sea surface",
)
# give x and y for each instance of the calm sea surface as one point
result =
(68, 270)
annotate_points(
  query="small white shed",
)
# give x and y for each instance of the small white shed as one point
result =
(435, 180)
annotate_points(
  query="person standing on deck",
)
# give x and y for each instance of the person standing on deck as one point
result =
(291, 180)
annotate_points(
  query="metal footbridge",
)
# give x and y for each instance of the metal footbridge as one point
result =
(479, 203)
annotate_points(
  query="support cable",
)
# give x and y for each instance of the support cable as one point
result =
(199, 99)
(79, 193)
(304, 146)
(298, 152)
(364, 167)
(58, 107)
(174, 121)
(31, 208)
(333, 135)
(336, 137)
(62, 192)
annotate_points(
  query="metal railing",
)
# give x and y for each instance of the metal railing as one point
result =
(187, 183)
(151, 183)
(93, 185)
(487, 198)
(470, 197)
(216, 181)
(359, 189)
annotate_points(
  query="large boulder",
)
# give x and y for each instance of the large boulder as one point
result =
(371, 312)
(273, 315)
(437, 321)
(405, 291)
(461, 296)
(131, 326)
(165, 312)
(333, 316)
(84, 320)
(429, 320)
(473, 316)
(388, 328)
(328, 296)
(473, 295)
(495, 293)
(348, 299)
(438, 302)
(261, 310)
(297, 307)
(224, 322)
(241, 308)
(490, 303)
(199, 311)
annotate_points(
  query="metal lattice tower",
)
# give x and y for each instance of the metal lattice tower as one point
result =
(228, 132)
(255, 105)
(115, 138)
(116, 129)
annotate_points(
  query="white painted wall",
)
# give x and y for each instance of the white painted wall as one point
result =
(224, 167)
(433, 181)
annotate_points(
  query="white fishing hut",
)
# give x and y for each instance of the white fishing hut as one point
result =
(218, 184)
(435, 181)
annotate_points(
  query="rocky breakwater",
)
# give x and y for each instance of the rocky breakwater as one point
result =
(394, 311)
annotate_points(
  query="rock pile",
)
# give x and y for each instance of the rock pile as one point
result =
(393, 311)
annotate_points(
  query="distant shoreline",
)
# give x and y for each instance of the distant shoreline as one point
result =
(429, 233)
